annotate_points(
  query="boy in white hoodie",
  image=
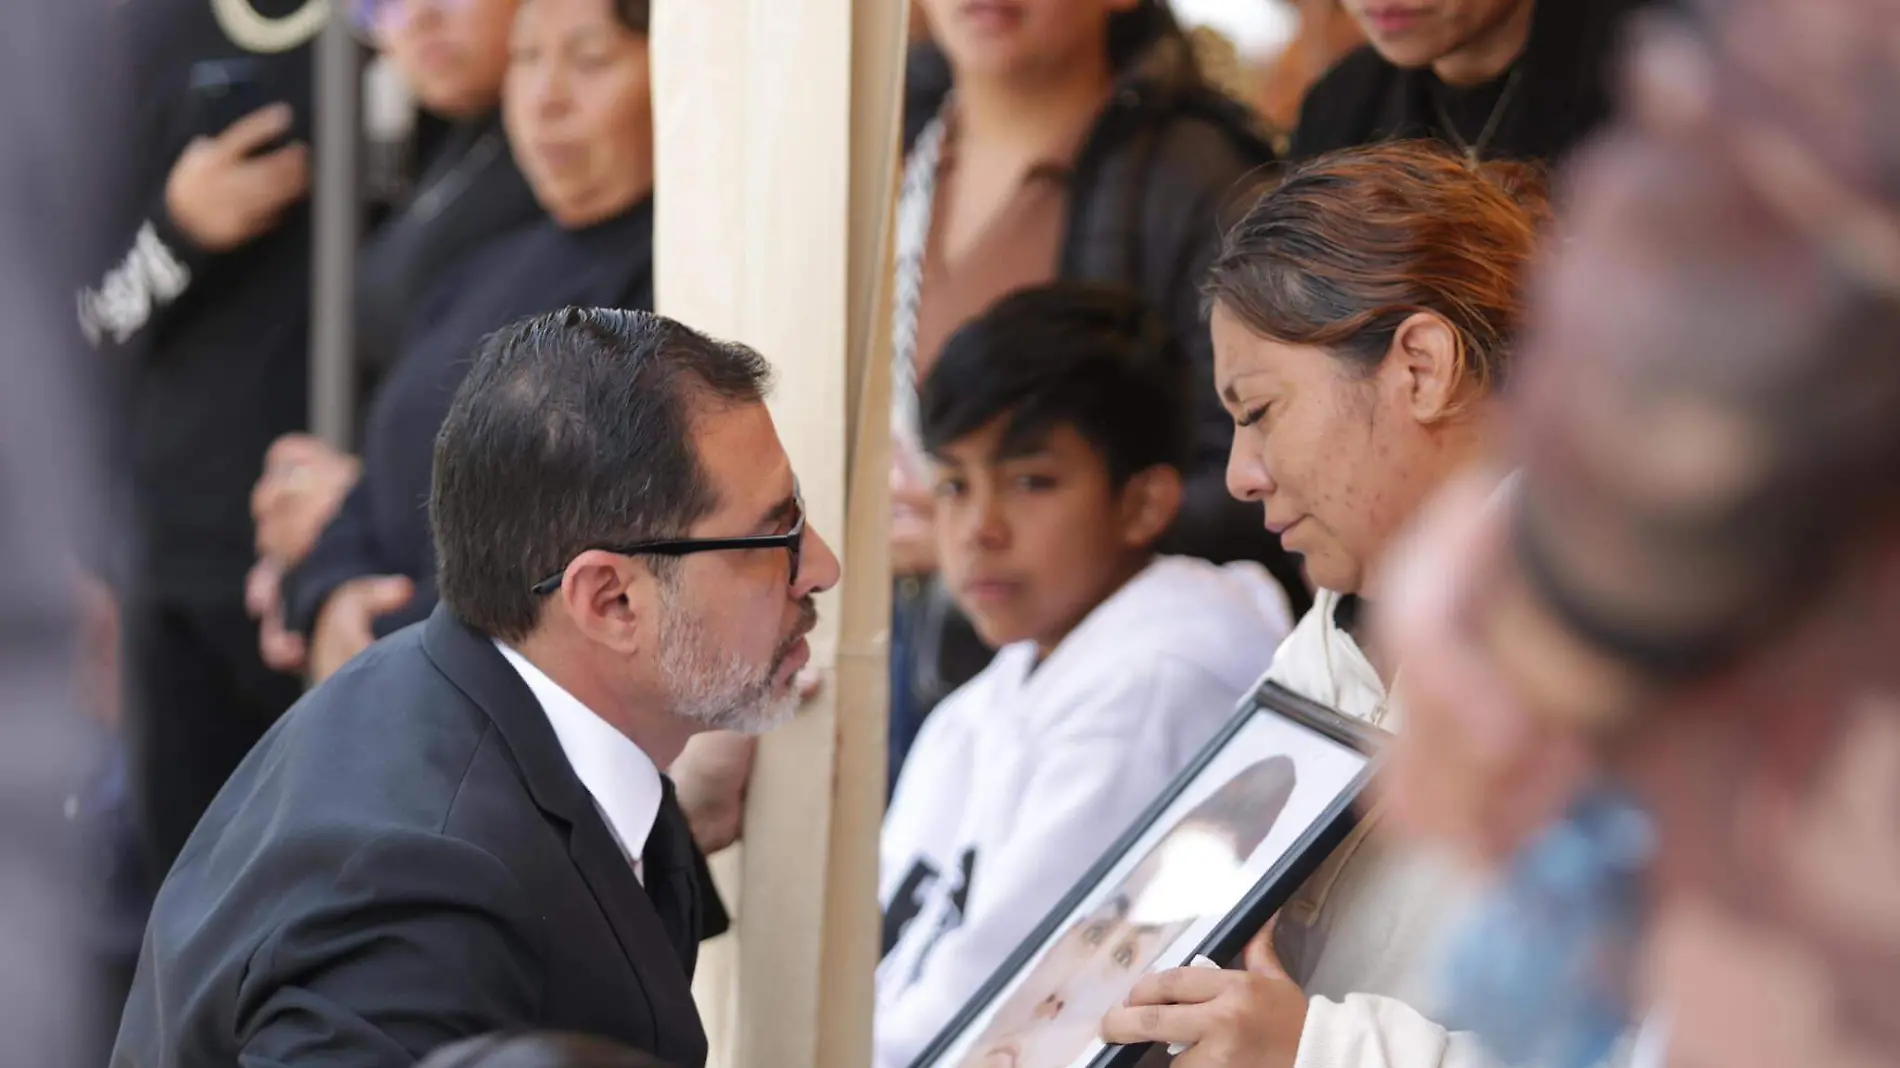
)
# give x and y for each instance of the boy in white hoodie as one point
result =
(1057, 426)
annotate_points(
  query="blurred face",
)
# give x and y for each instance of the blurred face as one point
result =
(1032, 536)
(732, 624)
(452, 53)
(1022, 40)
(1418, 33)
(1338, 461)
(579, 109)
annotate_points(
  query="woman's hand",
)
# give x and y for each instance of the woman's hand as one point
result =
(346, 626)
(304, 482)
(223, 192)
(1226, 1018)
(282, 648)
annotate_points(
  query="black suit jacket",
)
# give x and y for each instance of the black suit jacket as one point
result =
(405, 860)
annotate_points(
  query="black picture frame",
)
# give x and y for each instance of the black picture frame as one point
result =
(1229, 936)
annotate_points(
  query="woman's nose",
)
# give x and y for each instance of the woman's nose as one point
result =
(1247, 477)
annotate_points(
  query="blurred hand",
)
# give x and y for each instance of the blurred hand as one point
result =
(281, 648)
(221, 196)
(712, 774)
(1227, 1018)
(304, 482)
(345, 627)
(913, 523)
(1479, 764)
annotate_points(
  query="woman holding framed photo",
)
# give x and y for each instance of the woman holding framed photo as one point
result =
(1363, 315)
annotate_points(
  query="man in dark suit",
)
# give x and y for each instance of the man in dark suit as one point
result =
(465, 830)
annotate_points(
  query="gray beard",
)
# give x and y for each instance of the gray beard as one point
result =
(714, 688)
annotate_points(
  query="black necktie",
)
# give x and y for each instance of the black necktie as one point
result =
(672, 877)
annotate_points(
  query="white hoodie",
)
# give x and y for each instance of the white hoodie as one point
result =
(1021, 779)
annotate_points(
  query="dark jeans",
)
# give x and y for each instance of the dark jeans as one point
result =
(200, 697)
(934, 650)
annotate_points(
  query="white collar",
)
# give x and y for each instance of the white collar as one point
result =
(619, 775)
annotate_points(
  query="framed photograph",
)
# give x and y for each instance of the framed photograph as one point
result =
(1200, 872)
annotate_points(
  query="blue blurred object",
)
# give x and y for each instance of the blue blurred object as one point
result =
(1541, 970)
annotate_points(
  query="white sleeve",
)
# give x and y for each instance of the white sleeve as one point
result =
(1088, 785)
(1369, 1031)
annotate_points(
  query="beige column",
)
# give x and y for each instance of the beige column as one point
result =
(777, 150)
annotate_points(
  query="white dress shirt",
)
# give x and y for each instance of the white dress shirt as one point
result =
(618, 774)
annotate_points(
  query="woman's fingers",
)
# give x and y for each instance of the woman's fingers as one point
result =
(1172, 1024)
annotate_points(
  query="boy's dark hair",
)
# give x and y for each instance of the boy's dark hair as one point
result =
(541, 1050)
(573, 430)
(1088, 356)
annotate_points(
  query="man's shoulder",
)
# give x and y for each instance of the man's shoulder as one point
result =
(387, 742)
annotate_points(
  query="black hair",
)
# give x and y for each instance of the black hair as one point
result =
(572, 430)
(636, 15)
(541, 1050)
(1088, 356)
(1133, 32)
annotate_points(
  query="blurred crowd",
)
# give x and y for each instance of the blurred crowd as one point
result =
(1514, 376)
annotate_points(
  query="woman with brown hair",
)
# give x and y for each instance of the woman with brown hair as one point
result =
(1363, 315)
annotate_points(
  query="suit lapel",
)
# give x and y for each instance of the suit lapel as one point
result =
(471, 661)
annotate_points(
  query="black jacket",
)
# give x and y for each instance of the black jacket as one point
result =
(1166, 163)
(1568, 67)
(405, 860)
(383, 526)
(470, 193)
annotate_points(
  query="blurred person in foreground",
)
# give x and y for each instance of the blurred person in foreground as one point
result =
(578, 107)
(202, 316)
(453, 57)
(1495, 79)
(1365, 314)
(466, 829)
(64, 71)
(1678, 640)
(539, 1050)
(1073, 140)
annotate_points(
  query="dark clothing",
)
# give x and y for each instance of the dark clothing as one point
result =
(1564, 95)
(209, 351)
(358, 895)
(213, 347)
(382, 527)
(1164, 165)
(204, 698)
(471, 193)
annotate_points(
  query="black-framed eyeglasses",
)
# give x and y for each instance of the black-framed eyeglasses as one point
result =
(792, 541)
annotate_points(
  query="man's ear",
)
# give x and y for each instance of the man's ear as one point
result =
(1425, 355)
(611, 599)
(1150, 501)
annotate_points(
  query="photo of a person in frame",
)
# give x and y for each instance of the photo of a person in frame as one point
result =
(1194, 871)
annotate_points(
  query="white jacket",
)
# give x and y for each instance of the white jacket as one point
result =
(1021, 779)
(1360, 935)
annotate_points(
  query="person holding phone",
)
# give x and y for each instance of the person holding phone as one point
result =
(453, 56)
(201, 319)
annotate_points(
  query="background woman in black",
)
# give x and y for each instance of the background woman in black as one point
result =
(578, 110)
(453, 57)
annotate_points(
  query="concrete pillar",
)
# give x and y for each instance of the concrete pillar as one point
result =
(777, 163)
